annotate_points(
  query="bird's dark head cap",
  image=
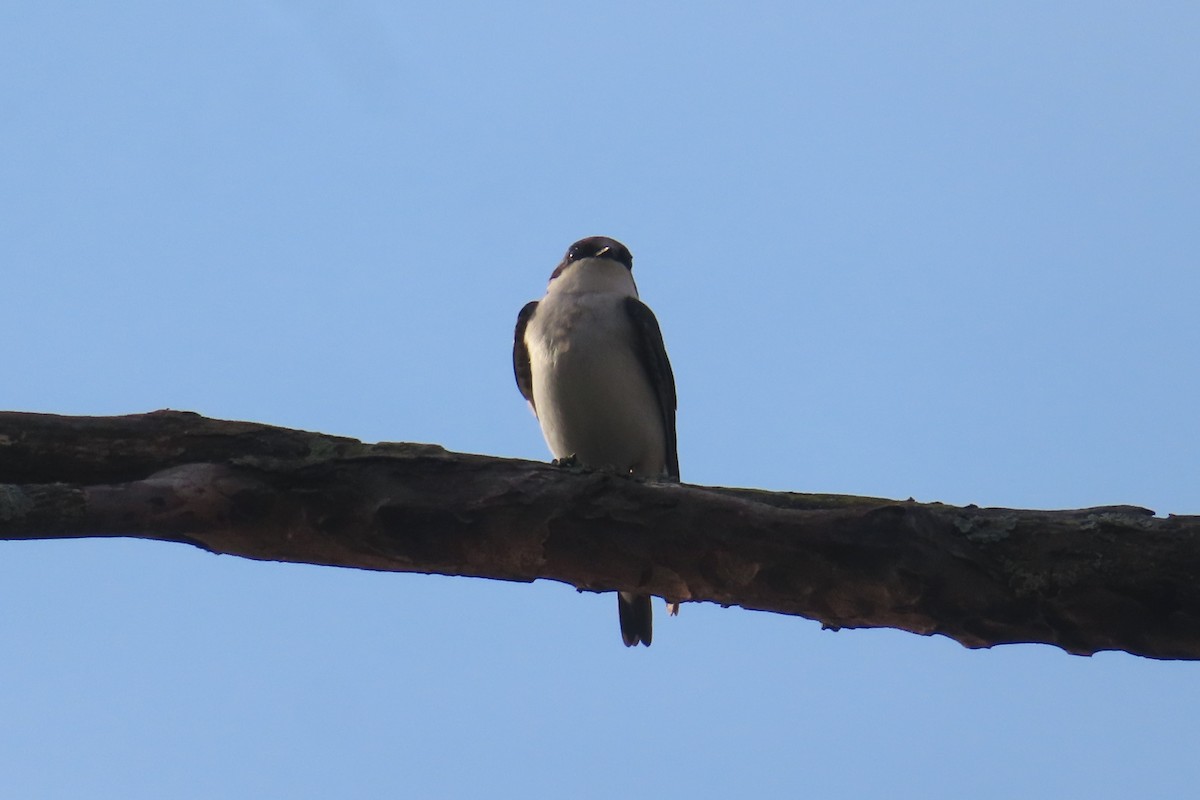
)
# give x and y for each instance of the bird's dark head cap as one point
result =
(596, 247)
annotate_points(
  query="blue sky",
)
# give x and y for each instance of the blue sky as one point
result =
(939, 250)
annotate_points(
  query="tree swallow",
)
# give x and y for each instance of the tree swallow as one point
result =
(589, 358)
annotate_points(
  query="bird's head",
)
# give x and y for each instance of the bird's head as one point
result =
(588, 260)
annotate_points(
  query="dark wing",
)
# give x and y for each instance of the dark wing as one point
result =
(653, 354)
(521, 366)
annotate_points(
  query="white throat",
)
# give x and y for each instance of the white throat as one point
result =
(594, 275)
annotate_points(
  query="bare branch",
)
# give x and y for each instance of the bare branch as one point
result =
(1114, 578)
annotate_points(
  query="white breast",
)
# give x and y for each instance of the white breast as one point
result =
(592, 395)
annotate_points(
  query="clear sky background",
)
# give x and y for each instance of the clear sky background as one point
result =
(940, 250)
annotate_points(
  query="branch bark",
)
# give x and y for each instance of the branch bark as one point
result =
(1111, 578)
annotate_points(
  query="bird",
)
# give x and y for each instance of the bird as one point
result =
(590, 360)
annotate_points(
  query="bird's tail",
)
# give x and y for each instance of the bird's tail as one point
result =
(637, 618)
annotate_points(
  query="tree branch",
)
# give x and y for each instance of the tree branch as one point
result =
(1113, 578)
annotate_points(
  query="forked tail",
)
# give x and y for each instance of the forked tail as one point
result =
(637, 618)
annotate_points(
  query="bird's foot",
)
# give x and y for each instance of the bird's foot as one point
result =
(673, 609)
(566, 461)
